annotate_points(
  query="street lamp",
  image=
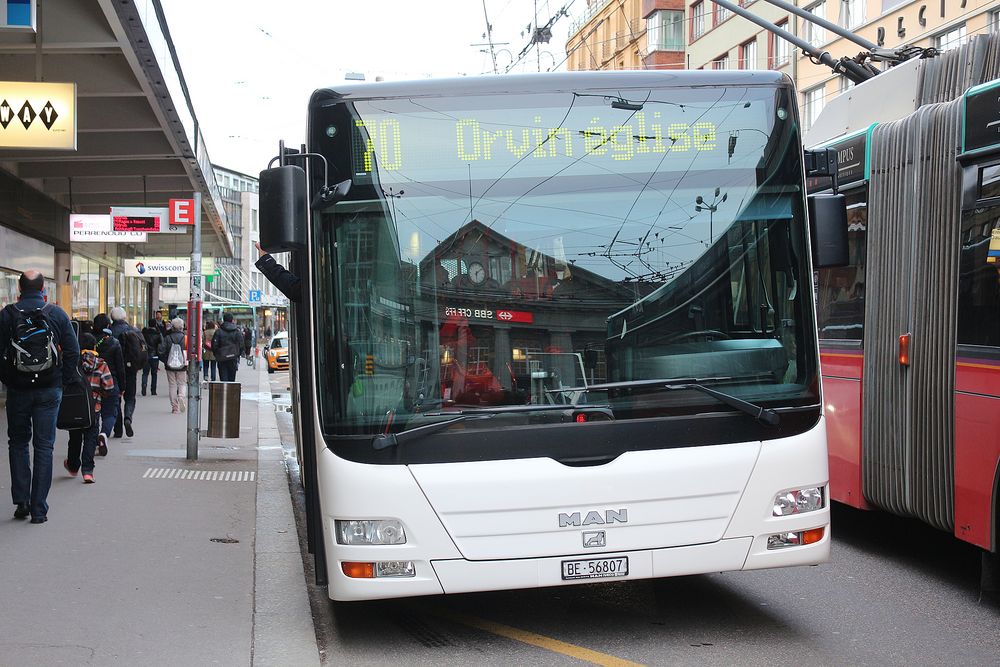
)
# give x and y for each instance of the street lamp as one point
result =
(700, 206)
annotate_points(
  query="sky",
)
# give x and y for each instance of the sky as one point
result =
(251, 65)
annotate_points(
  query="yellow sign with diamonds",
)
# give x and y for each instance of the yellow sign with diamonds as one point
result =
(38, 115)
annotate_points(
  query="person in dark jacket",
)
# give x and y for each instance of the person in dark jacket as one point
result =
(119, 325)
(34, 399)
(286, 281)
(226, 345)
(109, 349)
(154, 336)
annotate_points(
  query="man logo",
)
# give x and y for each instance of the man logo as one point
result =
(593, 518)
(140, 267)
(594, 538)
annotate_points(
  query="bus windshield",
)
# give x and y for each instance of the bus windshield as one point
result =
(516, 249)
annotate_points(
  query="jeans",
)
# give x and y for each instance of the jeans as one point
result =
(129, 400)
(227, 370)
(31, 417)
(109, 412)
(152, 367)
(82, 445)
(209, 364)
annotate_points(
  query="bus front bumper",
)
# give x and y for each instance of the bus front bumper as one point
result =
(465, 576)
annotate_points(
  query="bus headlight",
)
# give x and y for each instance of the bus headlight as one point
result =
(370, 531)
(797, 501)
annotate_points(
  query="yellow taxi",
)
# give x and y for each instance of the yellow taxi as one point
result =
(276, 353)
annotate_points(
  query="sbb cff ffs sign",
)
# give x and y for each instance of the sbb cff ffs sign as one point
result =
(485, 313)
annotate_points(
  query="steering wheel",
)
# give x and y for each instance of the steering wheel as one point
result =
(708, 334)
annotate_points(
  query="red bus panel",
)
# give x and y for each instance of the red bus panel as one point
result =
(977, 448)
(842, 406)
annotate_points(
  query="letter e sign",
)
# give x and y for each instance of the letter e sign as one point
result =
(181, 211)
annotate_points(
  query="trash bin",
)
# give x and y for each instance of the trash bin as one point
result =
(224, 409)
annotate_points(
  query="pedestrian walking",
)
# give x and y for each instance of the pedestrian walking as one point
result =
(136, 354)
(287, 282)
(226, 345)
(173, 351)
(109, 349)
(207, 356)
(40, 356)
(164, 327)
(247, 341)
(154, 337)
(83, 441)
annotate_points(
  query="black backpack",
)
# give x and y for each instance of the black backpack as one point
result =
(134, 349)
(32, 353)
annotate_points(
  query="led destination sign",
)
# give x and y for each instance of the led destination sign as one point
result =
(475, 141)
(572, 135)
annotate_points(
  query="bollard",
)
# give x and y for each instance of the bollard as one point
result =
(224, 409)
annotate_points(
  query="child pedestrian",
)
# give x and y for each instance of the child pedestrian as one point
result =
(83, 441)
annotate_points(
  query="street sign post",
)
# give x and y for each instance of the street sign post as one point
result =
(194, 338)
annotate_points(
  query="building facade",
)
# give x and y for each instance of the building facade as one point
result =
(627, 34)
(719, 39)
(238, 276)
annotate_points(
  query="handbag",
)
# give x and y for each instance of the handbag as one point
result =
(77, 407)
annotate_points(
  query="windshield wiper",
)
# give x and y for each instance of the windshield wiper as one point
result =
(386, 440)
(761, 414)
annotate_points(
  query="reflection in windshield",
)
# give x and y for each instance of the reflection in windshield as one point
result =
(497, 250)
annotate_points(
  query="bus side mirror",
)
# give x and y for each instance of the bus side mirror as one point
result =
(283, 209)
(828, 228)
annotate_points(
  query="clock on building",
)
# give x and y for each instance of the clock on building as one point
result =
(477, 273)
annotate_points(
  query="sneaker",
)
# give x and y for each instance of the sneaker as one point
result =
(153, 392)
(102, 444)
(88, 478)
(22, 511)
(72, 473)
(175, 411)
(128, 428)
(39, 519)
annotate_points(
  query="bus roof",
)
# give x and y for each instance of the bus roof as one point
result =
(546, 82)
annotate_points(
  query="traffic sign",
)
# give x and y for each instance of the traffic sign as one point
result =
(254, 296)
(181, 211)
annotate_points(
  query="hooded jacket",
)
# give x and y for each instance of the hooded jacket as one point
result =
(227, 334)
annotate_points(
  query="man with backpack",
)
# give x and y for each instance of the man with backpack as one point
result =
(39, 356)
(109, 349)
(136, 354)
(226, 345)
(173, 351)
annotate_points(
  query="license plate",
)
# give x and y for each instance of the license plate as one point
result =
(595, 568)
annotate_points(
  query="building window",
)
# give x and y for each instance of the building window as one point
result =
(812, 33)
(722, 62)
(845, 84)
(995, 21)
(665, 30)
(951, 39)
(814, 100)
(779, 47)
(852, 13)
(697, 20)
(721, 14)
(748, 55)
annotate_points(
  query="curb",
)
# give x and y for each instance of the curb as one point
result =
(283, 630)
